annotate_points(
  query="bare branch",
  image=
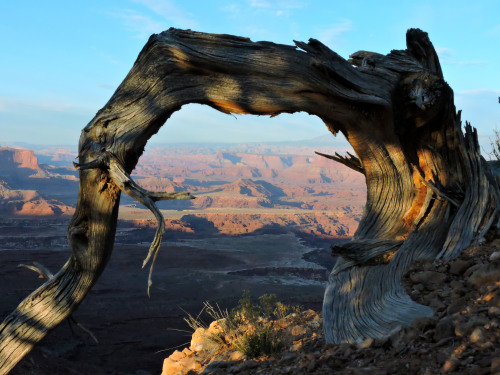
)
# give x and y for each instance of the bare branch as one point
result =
(100, 162)
(43, 271)
(350, 161)
(126, 184)
(86, 330)
(436, 189)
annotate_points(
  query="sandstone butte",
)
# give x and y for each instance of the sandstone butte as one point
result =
(237, 191)
(16, 166)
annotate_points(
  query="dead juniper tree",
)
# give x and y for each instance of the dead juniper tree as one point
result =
(430, 194)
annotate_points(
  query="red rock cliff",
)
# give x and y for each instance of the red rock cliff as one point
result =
(12, 158)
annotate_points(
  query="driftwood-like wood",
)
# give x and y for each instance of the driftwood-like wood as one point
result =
(429, 192)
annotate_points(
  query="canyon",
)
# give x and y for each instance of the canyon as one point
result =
(264, 218)
(239, 189)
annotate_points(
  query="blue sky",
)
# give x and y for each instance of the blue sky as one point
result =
(60, 61)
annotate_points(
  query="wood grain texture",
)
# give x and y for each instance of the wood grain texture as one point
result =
(395, 110)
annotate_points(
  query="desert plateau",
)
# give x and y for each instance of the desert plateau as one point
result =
(264, 218)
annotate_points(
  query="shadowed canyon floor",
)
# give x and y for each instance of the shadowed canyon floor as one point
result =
(132, 328)
(264, 219)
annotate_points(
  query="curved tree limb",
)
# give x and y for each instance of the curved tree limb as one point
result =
(45, 273)
(395, 110)
(107, 161)
(126, 184)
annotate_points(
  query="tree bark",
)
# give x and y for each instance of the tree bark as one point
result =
(429, 192)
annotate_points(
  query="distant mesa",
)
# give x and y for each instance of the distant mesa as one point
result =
(16, 161)
(21, 176)
(245, 186)
(239, 188)
(29, 203)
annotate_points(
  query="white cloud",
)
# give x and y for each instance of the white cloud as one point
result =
(52, 105)
(106, 86)
(170, 12)
(42, 120)
(494, 31)
(233, 9)
(261, 3)
(444, 52)
(479, 92)
(333, 35)
(105, 56)
(278, 8)
(142, 26)
(447, 56)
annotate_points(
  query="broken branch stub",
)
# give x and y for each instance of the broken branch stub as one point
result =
(395, 110)
(107, 161)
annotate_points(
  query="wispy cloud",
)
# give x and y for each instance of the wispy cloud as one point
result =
(261, 3)
(156, 16)
(280, 4)
(444, 52)
(139, 24)
(494, 31)
(333, 35)
(106, 86)
(278, 8)
(105, 56)
(486, 92)
(52, 105)
(233, 9)
(170, 12)
(447, 56)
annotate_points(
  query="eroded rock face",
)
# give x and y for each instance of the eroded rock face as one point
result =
(21, 202)
(29, 203)
(14, 158)
(20, 177)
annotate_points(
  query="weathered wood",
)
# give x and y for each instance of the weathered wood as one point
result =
(395, 110)
(349, 161)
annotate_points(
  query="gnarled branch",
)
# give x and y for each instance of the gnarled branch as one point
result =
(349, 161)
(395, 110)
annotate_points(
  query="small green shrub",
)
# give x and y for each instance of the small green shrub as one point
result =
(263, 340)
(267, 304)
(281, 310)
(246, 310)
(215, 314)
(249, 327)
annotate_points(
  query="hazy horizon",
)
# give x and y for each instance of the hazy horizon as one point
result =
(60, 62)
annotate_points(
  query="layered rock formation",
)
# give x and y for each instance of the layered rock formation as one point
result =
(19, 174)
(239, 188)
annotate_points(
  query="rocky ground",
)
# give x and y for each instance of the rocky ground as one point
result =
(463, 337)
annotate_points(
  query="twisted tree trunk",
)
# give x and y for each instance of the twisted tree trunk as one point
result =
(429, 191)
